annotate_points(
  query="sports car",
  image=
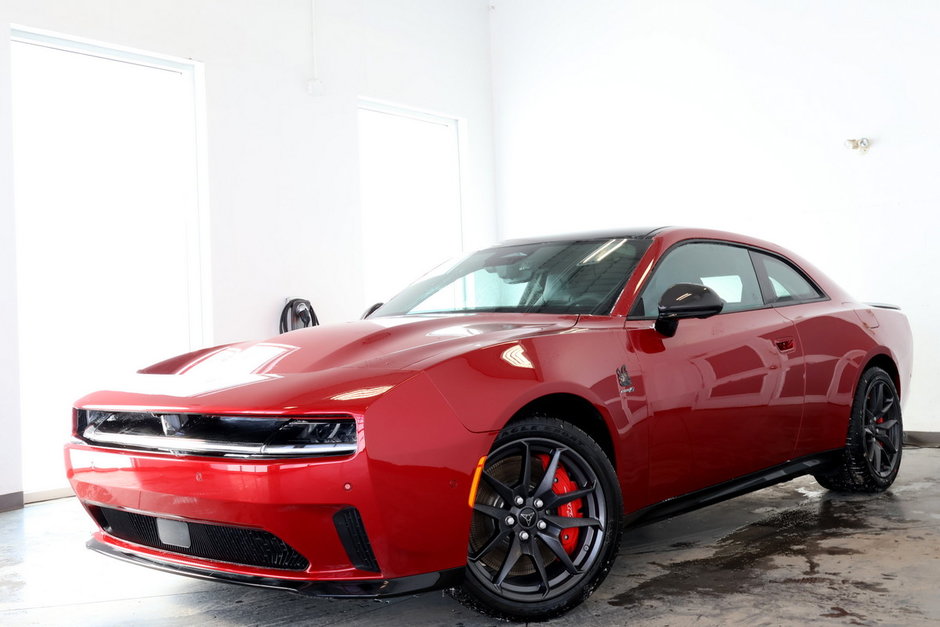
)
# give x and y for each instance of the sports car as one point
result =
(495, 427)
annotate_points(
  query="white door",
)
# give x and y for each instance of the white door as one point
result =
(410, 193)
(108, 247)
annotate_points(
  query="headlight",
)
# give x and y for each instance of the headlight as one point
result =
(231, 436)
(299, 437)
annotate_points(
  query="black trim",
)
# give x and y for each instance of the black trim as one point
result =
(636, 233)
(922, 439)
(352, 533)
(736, 487)
(365, 588)
(11, 501)
(884, 306)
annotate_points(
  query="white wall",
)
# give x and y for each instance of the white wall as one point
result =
(283, 169)
(732, 114)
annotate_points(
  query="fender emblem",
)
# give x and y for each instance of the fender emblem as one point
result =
(623, 379)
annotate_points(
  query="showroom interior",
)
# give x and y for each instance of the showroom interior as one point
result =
(173, 171)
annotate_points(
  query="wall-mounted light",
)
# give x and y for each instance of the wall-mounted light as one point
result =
(861, 145)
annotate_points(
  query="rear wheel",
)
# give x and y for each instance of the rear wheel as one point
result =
(873, 446)
(546, 522)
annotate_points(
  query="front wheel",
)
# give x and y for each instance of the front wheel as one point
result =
(872, 454)
(546, 522)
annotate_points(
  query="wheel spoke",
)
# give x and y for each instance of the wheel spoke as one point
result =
(492, 512)
(889, 445)
(545, 485)
(565, 522)
(554, 500)
(876, 462)
(493, 543)
(887, 424)
(526, 478)
(886, 405)
(503, 490)
(512, 556)
(877, 398)
(539, 562)
(555, 546)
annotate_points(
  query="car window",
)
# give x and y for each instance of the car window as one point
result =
(786, 283)
(726, 269)
(568, 277)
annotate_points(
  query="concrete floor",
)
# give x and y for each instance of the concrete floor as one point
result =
(789, 555)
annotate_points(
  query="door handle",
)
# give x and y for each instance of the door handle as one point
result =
(785, 344)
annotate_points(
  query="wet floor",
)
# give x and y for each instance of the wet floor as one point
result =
(789, 555)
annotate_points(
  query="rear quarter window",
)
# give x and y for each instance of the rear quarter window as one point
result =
(785, 283)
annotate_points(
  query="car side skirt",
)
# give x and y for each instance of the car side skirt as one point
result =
(365, 588)
(736, 487)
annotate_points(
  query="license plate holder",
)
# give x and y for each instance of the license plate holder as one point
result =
(174, 532)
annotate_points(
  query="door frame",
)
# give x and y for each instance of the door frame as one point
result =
(197, 218)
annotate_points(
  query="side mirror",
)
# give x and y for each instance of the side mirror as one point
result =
(686, 300)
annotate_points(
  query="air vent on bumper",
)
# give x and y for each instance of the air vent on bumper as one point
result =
(352, 534)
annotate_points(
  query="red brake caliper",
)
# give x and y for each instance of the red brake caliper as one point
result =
(572, 509)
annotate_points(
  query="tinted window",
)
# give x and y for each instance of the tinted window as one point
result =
(786, 283)
(552, 277)
(725, 269)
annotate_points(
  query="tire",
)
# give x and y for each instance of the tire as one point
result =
(526, 561)
(873, 447)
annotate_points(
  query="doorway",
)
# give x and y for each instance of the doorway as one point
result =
(110, 253)
(410, 193)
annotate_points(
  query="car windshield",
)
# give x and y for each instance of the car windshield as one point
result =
(568, 277)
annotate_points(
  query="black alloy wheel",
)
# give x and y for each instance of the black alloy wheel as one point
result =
(882, 428)
(872, 454)
(546, 522)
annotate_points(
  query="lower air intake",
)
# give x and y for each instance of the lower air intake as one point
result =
(352, 534)
(236, 545)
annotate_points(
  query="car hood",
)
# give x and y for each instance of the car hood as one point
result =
(392, 343)
(330, 366)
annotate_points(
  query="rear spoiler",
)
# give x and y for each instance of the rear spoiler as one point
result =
(883, 306)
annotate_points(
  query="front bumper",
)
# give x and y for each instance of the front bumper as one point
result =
(408, 484)
(301, 503)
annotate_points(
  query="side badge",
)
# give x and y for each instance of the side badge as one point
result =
(623, 379)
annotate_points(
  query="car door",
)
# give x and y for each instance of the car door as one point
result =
(830, 337)
(725, 393)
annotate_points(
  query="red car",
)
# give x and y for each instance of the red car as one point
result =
(494, 427)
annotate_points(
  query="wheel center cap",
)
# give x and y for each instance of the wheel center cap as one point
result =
(528, 517)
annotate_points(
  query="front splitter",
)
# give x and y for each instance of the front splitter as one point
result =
(363, 588)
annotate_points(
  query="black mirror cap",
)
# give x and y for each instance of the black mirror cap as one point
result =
(686, 300)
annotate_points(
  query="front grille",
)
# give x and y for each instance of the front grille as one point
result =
(352, 533)
(236, 545)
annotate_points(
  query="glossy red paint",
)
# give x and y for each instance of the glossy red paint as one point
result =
(727, 396)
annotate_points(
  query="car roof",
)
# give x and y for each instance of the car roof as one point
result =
(632, 233)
